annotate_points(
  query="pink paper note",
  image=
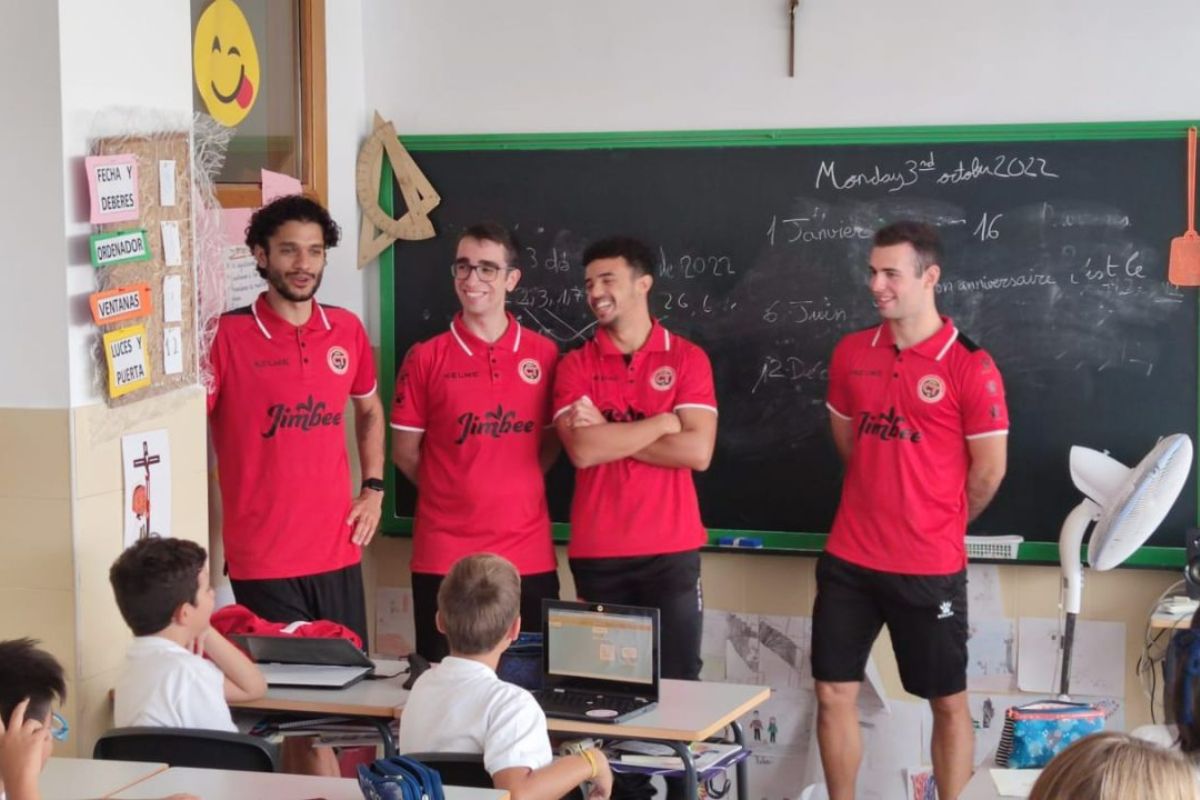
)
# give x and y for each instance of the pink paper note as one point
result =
(275, 184)
(234, 222)
(112, 187)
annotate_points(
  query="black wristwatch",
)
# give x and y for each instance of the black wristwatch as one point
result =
(374, 484)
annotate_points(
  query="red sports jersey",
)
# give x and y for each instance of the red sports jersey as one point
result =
(276, 409)
(484, 410)
(904, 499)
(629, 508)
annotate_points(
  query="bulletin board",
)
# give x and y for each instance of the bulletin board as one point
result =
(166, 343)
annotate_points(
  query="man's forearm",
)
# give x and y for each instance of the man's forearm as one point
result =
(369, 433)
(980, 491)
(591, 445)
(690, 449)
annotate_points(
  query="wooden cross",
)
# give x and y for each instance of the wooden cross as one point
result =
(146, 461)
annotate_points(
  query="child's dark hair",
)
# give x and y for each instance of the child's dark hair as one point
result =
(28, 671)
(153, 578)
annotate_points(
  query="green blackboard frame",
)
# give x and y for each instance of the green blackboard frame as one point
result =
(774, 542)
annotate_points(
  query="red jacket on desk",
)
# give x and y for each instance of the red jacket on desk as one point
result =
(239, 620)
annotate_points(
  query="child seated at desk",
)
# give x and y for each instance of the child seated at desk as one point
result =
(461, 706)
(30, 679)
(163, 590)
(1184, 735)
(1115, 766)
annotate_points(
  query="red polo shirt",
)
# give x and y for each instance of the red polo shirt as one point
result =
(276, 409)
(628, 508)
(484, 410)
(904, 498)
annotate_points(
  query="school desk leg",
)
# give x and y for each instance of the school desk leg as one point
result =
(385, 733)
(743, 781)
(690, 779)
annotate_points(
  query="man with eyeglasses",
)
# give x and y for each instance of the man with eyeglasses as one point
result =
(470, 422)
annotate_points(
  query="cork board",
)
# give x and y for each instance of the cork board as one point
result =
(150, 151)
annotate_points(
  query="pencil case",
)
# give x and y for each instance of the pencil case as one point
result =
(1036, 732)
(399, 778)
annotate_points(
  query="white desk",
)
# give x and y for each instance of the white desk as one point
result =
(72, 778)
(379, 699)
(219, 784)
(374, 701)
(687, 711)
(982, 787)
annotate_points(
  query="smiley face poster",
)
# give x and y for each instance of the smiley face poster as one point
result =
(225, 62)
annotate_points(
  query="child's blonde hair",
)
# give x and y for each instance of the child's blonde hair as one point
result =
(1116, 766)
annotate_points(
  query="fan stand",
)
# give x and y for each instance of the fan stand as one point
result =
(1070, 546)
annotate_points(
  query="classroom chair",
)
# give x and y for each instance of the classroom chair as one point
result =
(466, 769)
(186, 747)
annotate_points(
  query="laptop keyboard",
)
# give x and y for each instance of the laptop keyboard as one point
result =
(583, 701)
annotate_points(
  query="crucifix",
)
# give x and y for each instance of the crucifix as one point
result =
(146, 461)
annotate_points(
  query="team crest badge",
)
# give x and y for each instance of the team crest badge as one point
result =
(337, 359)
(530, 371)
(663, 378)
(931, 389)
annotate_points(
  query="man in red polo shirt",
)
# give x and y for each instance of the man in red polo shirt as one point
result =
(282, 370)
(637, 413)
(920, 422)
(470, 429)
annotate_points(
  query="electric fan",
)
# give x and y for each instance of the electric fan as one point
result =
(1126, 505)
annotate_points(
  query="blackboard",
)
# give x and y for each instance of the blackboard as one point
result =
(1056, 247)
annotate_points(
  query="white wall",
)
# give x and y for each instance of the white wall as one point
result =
(130, 53)
(349, 122)
(34, 320)
(547, 65)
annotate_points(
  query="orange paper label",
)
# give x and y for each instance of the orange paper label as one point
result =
(122, 303)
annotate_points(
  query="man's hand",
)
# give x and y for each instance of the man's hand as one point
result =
(365, 512)
(22, 744)
(583, 412)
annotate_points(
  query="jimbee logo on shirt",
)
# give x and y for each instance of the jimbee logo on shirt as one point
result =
(887, 425)
(628, 415)
(492, 424)
(303, 416)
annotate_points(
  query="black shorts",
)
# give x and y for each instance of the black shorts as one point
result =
(433, 645)
(336, 596)
(926, 616)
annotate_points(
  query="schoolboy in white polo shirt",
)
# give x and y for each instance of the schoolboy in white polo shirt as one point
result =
(162, 588)
(462, 706)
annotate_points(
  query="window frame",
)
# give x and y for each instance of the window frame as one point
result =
(314, 155)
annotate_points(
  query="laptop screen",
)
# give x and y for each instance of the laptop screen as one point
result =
(593, 644)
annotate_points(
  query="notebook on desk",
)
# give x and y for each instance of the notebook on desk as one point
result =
(600, 662)
(314, 663)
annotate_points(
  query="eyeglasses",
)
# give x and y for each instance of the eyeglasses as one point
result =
(487, 271)
(58, 727)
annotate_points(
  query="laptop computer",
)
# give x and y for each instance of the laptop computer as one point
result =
(600, 662)
(314, 663)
